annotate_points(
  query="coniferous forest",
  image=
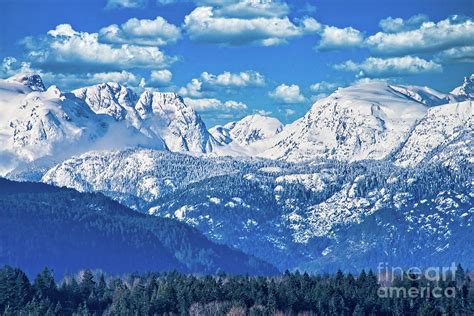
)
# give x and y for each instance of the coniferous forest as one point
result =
(174, 293)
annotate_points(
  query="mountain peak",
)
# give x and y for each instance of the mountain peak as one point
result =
(248, 130)
(31, 80)
(466, 90)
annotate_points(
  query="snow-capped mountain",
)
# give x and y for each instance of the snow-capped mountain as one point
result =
(248, 130)
(32, 81)
(424, 95)
(364, 166)
(290, 214)
(155, 114)
(246, 137)
(365, 121)
(137, 174)
(465, 91)
(372, 121)
(35, 122)
(433, 136)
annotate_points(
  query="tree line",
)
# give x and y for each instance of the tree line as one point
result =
(174, 293)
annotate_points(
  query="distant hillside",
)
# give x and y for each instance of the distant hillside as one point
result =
(66, 230)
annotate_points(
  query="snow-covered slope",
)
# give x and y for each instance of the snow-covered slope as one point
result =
(35, 122)
(283, 212)
(248, 130)
(375, 121)
(424, 95)
(155, 114)
(365, 121)
(135, 175)
(32, 81)
(465, 91)
(436, 132)
(246, 137)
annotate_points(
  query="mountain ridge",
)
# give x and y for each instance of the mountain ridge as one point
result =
(67, 230)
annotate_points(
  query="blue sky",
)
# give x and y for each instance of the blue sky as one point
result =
(231, 58)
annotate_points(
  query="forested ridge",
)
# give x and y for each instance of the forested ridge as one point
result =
(173, 293)
(63, 229)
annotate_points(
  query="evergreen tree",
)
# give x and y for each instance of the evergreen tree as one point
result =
(45, 286)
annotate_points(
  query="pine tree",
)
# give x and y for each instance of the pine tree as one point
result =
(87, 285)
(45, 286)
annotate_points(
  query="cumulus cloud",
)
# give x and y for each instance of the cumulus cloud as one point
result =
(67, 81)
(161, 77)
(429, 37)
(248, 9)
(318, 96)
(324, 86)
(391, 67)
(204, 24)
(289, 112)
(395, 25)
(146, 32)
(192, 89)
(463, 54)
(125, 4)
(66, 49)
(212, 104)
(287, 94)
(123, 77)
(322, 89)
(11, 66)
(263, 112)
(244, 9)
(228, 79)
(337, 38)
(73, 81)
(208, 82)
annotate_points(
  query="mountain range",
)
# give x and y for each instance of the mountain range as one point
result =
(374, 172)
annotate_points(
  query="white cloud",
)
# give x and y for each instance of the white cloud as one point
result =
(391, 67)
(429, 37)
(322, 89)
(395, 25)
(68, 81)
(212, 104)
(146, 32)
(228, 79)
(337, 38)
(263, 112)
(208, 82)
(192, 89)
(318, 96)
(242, 9)
(324, 86)
(161, 77)
(371, 80)
(64, 49)
(463, 54)
(289, 112)
(125, 4)
(248, 9)
(11, 66)
(204, 25)
(287, 94)
(73, 81)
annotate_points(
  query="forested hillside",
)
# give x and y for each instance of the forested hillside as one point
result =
(67, 231)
